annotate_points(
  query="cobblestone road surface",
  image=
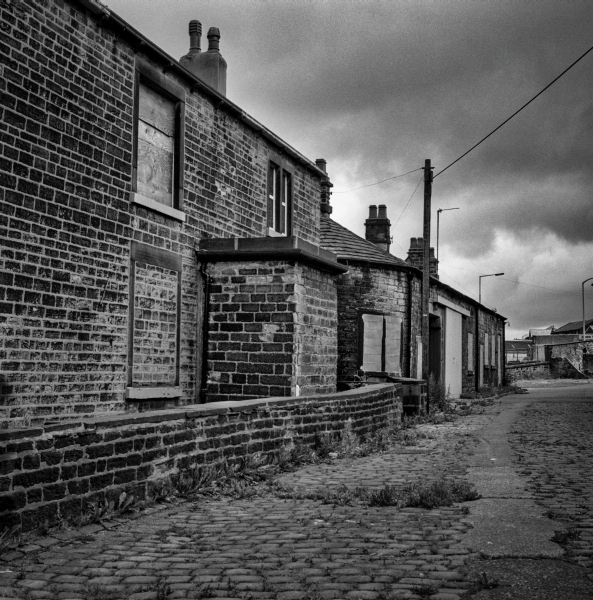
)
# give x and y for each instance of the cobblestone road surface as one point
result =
(285, 548)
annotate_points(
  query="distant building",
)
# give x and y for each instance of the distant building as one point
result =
(575, 327)
(517, 350)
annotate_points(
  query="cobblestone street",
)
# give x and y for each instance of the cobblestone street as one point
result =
(289, 547)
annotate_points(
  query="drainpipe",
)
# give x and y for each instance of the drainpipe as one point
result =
(205, 319)
(503, 358)
(410, 276)
(477, 351)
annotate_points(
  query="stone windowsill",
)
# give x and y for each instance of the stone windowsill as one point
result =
(157, 206)
(145, 393)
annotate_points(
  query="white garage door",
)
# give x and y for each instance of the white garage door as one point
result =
(453, 362)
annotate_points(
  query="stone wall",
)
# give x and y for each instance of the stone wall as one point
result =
(55, 472)
(534, 370)
(573, 352)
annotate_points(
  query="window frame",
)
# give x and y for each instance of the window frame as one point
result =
(283, 196)
(361, 338)
(161, 84)
(161, 258)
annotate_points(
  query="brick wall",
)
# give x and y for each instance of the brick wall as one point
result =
(316, 331)
(367, 287)
(66, 219)
(55, 472)
(272, 326)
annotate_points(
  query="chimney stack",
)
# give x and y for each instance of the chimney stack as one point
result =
(416, 256)
(209, 66)
(378, 227)
(326, 186)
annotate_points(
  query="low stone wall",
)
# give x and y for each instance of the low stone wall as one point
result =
(573, 353)
(56, 472)
(532, 370)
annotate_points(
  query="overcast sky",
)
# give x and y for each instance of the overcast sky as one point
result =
(376, 87)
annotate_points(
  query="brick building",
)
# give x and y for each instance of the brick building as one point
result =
(379, 314)
(159, 246)
(162, 248)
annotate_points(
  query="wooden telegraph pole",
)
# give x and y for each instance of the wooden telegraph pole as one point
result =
(426, 268)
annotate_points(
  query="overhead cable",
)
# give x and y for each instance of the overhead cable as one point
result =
(516, 112)
(378, 182)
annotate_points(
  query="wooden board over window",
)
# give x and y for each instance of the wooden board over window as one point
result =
(372, 350)
(156, 145)
(381, 343)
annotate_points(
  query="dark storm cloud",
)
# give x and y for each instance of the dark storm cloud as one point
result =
(375, 87)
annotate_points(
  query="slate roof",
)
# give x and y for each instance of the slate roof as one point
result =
(574, 327)
(349, 246)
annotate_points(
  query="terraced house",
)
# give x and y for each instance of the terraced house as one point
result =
(163, 254)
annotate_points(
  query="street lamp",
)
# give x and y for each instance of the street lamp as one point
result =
(490, 275)
(438, 217)
(583, 287)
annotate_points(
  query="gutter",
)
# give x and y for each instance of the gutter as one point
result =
(171, 64)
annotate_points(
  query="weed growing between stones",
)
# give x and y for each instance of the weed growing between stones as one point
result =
(421, 495)
(484, 582)
(424, 590)
(564, 537)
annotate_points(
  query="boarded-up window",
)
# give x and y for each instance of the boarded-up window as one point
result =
(493, 350)
(470, 352)
(418, 357)
(381, 343)
(154, 317)
(156, 146)
(481, 366)
(486, 349)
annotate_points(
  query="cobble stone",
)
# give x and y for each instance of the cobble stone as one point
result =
(291, 547)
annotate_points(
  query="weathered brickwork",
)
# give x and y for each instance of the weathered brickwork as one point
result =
(382, 289)
(67, 222)
(316, 331)
(272, 326)
(155, 326)
(58, 471)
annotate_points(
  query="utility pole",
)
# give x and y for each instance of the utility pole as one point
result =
(426, 268)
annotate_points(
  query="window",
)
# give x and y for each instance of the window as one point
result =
(486, 349)
(154, 323)
(279, 199)
(158, 142)
(380, 343)
(470, 352)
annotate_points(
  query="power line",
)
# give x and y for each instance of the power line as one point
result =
(378, 182)
(406, 206)
(516, 112)
(518, 282)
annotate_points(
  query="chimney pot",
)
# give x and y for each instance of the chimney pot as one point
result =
(372, 211)
(382, 211)
(321, 164)
(209, 66)
(213, 39)
(195, 35)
